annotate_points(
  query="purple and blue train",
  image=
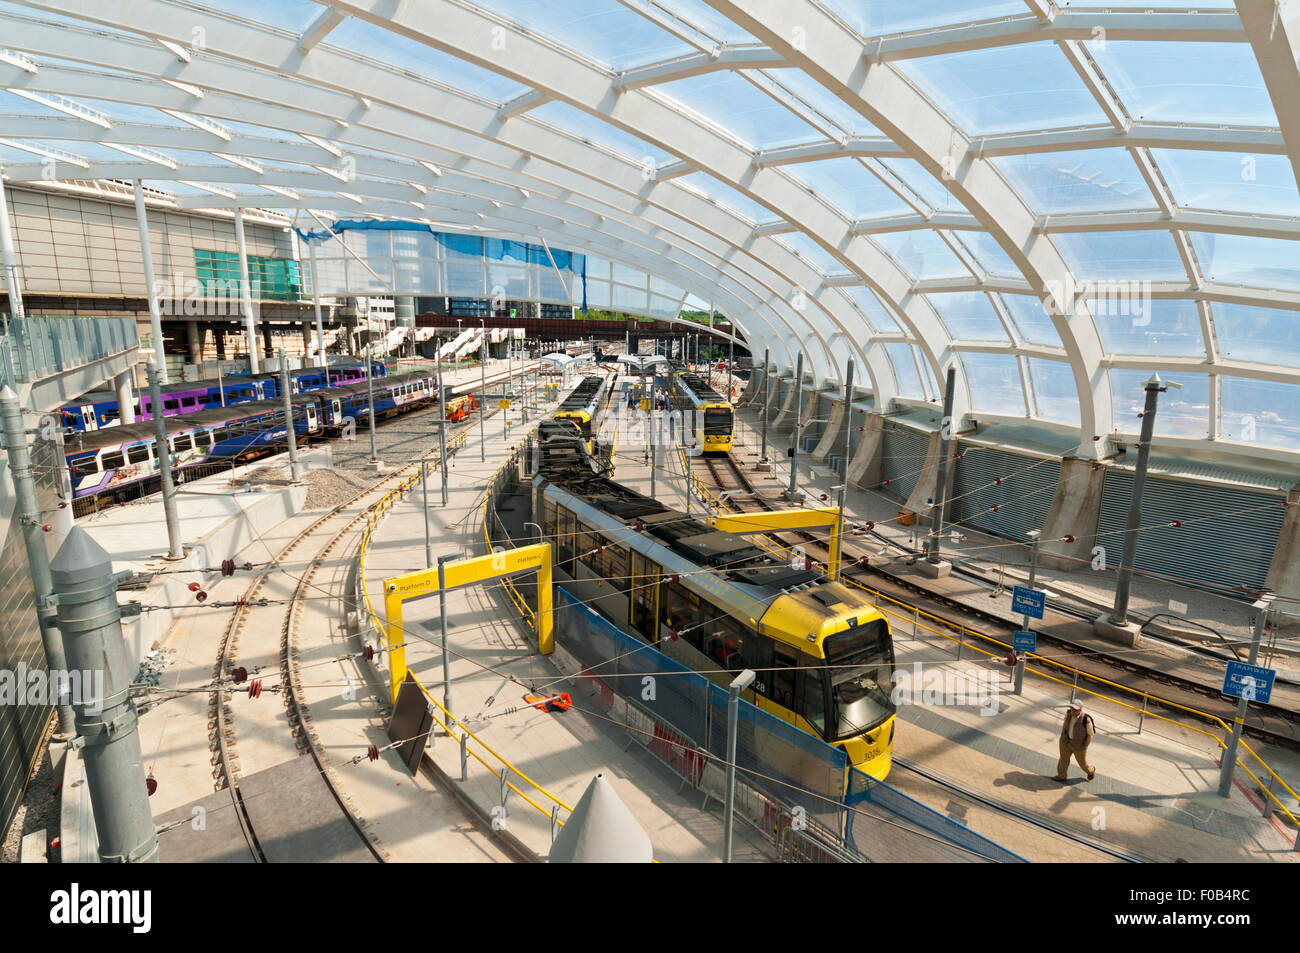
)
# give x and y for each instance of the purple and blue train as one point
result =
(99, 408)
(120, 463)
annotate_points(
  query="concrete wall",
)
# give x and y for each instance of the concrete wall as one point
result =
(1284, 571)
(925, 484)
(1075, 508)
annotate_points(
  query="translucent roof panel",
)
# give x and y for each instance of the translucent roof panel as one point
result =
(1248, 260)
(593, 129)
(882, 17)
(855, 191)
(922, 254)
(987, 92)
(865, 300)
(1031, 319)
(923, 185)
(1181, 413)
(723, 194)
(292, 15)
(1134, 325)
(1088, 180)
(815, 102)
(905, 372)
(1187, 82)
(699, 16)
(730, 102)
(810, 251)
(1263, 412)
(994, 381)
(1056, 398)
(604, 31)
(969, 316)
(1229, 182)
(988, 254)
(1121, 256)
(1264, 335)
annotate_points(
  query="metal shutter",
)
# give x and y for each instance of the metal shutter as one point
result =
(1227, 538)
(1023, 498)
(902, 456)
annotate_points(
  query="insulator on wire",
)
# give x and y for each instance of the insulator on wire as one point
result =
(373, 752)
(1069, 537)
(993, 508)
(368, 652)
(227, 567)
(195, 587)
(1175, 523)
(255, 688)
(150, 785)
(201, 596)
(1011, 659)
(238, 674)
(674, 579)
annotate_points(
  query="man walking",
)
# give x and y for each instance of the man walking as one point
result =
(1076, 735)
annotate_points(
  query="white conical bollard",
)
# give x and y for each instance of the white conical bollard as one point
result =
(601, 830)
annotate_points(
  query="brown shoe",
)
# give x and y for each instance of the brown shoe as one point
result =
(1092, 774)
(1062, 780)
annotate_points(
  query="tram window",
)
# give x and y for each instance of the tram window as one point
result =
(587, 542)
(616, 570)
(137, 454)
(279, 418)
(84, 467)
(548, 518)
(564, 532)
(183, 441)
(812, 694)
(781, 688)
(724, 642)
(684, 612)
(204, 438)
(112, 459)
(172, 404)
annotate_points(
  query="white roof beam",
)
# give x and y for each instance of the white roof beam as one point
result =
(746, 57)
(521, 104)
(69, 107)
(1145, 134)
(832, 149)
(320, 28)
(1273, 28)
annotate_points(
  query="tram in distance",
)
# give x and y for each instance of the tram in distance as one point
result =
(719, 604)
(691, 393)
(99, 408)
(583, 404)
(119, 463)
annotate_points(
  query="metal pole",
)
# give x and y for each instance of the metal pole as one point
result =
(1033, 534)
(844, 465)
(38, 559)
(163, 457)
(9, 259)
(370, 405)
(246, 294)
(88, 617)
(798, 413)
(442, 608)
(442, 422)
(1154, 387)
(738, 685)
(146, 256)
(221, 386)
(767, 394)
(731, 363)
(1229, 763)
(320, 327)
(482, 397)
(941, 479)
(428, 540)
(291, 436)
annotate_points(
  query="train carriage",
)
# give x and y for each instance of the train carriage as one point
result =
(582, 405)
(713, 412)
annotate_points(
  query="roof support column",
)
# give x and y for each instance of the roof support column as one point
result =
(315, 300)
(246, 295)
(146, 256)
(9, 258)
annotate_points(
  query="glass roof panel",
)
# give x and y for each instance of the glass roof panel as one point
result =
(1187, 82)
(969, 316)
(1121, 256)
(391, 49)
(1248, 260)
(1263, 412)
(813, 253)
(922, 254)
(1265, 335)
(703, 18)
(985, 91)
(865, 300)
(1182, 413)
(601, 30)
(293, 15)
(1146, 4)
(813, 100)
(575, 121)
(988, 254)
(883, 17)
(1159, 326)
(1055, 393)
(1087, 180)
(1229, 181)
(926, 187)
(725, 195)
(994, 381)
(905, 373)
(730, 102)
(1031, 319)
(850, 187)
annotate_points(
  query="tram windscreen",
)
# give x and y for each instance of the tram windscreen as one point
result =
(860, 664)
(717, 422)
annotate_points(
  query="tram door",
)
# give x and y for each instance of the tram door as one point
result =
(338, 411)
(311, 418)
(88, 417)
(644, 605)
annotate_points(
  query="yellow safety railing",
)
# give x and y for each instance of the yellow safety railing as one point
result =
(449, 721)
(529, 617)
(913, 614)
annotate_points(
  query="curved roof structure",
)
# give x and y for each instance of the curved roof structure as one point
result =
(1055, 197)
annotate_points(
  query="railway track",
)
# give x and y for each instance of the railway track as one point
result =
(1267, 722)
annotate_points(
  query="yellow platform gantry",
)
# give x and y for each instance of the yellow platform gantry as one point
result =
(775, 520)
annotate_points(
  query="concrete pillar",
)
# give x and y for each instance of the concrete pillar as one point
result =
(246, 295)
(919, 502)
(864, 468)
(785, 418)
(315, 300)
(194, 338)
(1076, 507)
(754, 389)
(220, 334)
(125, 397)
(833, 436)
(1284, 571)
(9, 258)
(269, 351)
(146, 257)
(306, 341)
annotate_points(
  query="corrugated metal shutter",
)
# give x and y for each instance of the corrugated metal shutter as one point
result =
(1227, 538)
(1023, 498)
(902, 456)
